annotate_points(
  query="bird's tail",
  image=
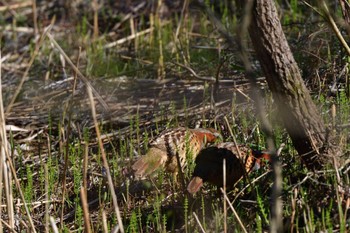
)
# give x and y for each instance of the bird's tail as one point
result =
(195, 184)
(147, 164)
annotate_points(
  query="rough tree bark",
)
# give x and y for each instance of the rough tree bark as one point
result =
(298, 112)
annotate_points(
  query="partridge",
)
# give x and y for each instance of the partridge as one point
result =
(163, 150)
(209, 165)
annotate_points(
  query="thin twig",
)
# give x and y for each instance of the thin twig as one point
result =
(3, 131)
(3, 146)
(104, 159)
(199, 223)
(334, 26)
(53, 225)
(224, 189)
(85, 210)
(35, 19)
(68, 108)
(294, 207)
(10, 28)
(25, 74)
(15, 6)
(234, 211)
(104, 221)
(7, 225)
(95, 9)
(85, 165)
(276, 200)
(127, 16)
(233, 137)
(161, 66)
(182, 17)
(9, 161)
(126, 39)
(47, 204)
(8, 167)
(250, 183)
(80, 75)
(35, 204)
(210, 79)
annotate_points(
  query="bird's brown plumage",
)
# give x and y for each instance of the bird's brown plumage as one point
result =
(209, 165)
(164, 148)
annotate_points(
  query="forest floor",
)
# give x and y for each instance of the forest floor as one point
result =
(153, 67)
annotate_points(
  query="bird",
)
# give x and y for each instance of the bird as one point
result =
(163, 150)
(209, 165)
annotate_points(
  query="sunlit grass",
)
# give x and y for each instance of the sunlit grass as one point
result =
(145, 204)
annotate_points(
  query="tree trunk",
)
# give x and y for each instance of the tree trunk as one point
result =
(298, 112)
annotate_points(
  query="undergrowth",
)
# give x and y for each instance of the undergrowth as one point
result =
(160, 203)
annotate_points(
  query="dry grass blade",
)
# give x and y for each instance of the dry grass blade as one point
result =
(345, 6)
(47, 204)
(68, 108)
(233, 210)
(35, 19)
(248, 185)
(8, 169)
(294, 207)
(182, 17)
(276, 200)
(224, 188)
(347, 207)
(233, 137)
(209, 79)
(324, 12)
(15, 6)
(53, 225)
(26, 30)
(84, 189)
(105, 163)
(2, 155)
(85, 165)
(104, 222)
(85, 210)
(81, 76)
(161, 66)
(199, 223)
(128, 38)
(95, 10)
(25, 74)
(7, 225)
(334, 26)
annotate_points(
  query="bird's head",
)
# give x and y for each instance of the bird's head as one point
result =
(261, 158)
